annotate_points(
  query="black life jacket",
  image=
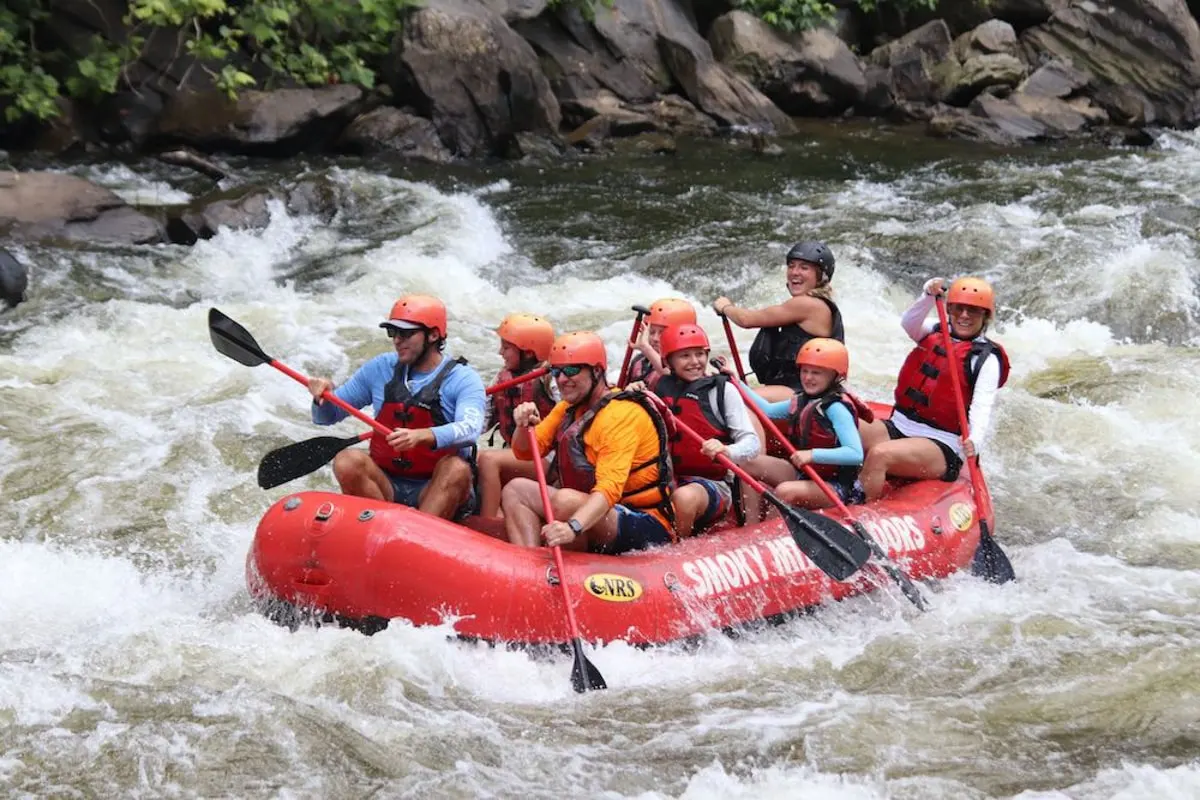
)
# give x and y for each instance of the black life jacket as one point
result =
(773, 354)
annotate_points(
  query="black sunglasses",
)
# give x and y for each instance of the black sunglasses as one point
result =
(401, 333)
(571, 370)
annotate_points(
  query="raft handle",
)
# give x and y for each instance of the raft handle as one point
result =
(366, 515)
(936, 525)
(551, 575)
(324, 512)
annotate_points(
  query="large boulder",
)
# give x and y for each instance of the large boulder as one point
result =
(915, 63)
(1016, 118)
(54, 206)
(13, 279)
(638, 50)
(1142, 57)
(249, 207)
(459, 64)
(812, 74)
(393, 130)
(980, 72)
(282, 122)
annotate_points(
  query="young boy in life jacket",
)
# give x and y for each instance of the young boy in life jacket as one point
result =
(525, 341)
(821, 421)
(646, 366)
(711, 407)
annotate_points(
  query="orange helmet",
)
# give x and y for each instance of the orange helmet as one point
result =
(671, 311)
(827, 353)
(418, 310)
(528, 332)
(682, 337)
(972, 292)
(579, 347)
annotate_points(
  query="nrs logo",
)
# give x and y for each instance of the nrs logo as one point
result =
(961, 516)
(613, 588)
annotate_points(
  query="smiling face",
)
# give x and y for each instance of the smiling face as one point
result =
(802, 277)
(510, 354)
(688, 365)
(966, 322)
(574, 388)
(410, 344)
(816, 380)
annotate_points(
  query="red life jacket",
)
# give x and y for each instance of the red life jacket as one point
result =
(809, 428)
(640, 369)
(403, 409)
(689, 402)
(924, 388)
(576, 472)
(506, 401)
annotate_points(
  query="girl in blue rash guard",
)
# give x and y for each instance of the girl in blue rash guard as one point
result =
(821, 421)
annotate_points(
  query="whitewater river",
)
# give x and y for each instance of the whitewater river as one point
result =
(132, 663)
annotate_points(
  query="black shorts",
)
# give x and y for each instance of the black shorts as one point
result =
(954, 464)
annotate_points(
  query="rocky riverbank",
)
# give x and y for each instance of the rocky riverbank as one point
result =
(516, 78)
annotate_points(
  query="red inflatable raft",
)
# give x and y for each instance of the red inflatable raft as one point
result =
(362, 561)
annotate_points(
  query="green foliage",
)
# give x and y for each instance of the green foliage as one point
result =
(798, 15)
(313, 42)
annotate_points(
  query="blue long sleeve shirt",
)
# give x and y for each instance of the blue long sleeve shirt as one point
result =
(463, 398)
(848, 453)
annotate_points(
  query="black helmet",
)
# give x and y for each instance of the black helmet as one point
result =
(815, 253)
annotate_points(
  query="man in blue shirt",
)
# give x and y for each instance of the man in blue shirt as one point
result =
(434, 406)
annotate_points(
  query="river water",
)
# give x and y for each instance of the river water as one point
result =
(133, 664)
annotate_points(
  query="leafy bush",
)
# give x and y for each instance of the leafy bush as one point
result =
(798, 15)
(312, 42)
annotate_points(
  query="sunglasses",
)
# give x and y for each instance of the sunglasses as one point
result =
(971, 311)
(571, 370)
(401, 333)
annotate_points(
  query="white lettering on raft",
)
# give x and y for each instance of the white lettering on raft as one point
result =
(747, 565)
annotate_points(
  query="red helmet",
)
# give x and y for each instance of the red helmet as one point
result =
(972, 292)
(579, 347)
(528, 332)
(682, 337)
(671, 311)
(418, 309)
(827, 353)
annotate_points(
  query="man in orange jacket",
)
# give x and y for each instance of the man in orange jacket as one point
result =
(611, 456)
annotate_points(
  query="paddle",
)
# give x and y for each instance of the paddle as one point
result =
(641, 311)
(906, 586)
(990, 561)
(836, 551)
(296, 460)
(584, 675)
(232, 340)
(733, 350)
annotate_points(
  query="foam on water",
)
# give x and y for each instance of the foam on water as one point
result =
(131, 651)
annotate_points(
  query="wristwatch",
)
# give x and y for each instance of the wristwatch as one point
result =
(574, 525)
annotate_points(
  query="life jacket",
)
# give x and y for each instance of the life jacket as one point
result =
(576, 472)
(773, 354)
(402, 409)
(640, 369)
(809, 428)
(505, 402)
(689, 402)
(924, 388)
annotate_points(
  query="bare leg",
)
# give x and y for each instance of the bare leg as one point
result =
(522, 503)
(448, 489)
(905, 458)
(872, 434)
(690, 501)
(805, 494)
(358, 475)
(769, 470)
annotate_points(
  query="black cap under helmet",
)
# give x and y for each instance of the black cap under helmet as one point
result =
(813, 252)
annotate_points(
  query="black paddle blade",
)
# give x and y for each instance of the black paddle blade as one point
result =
(991, 562)
(298, 459)
(835, 550)
(584, 675)
(234, 341)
